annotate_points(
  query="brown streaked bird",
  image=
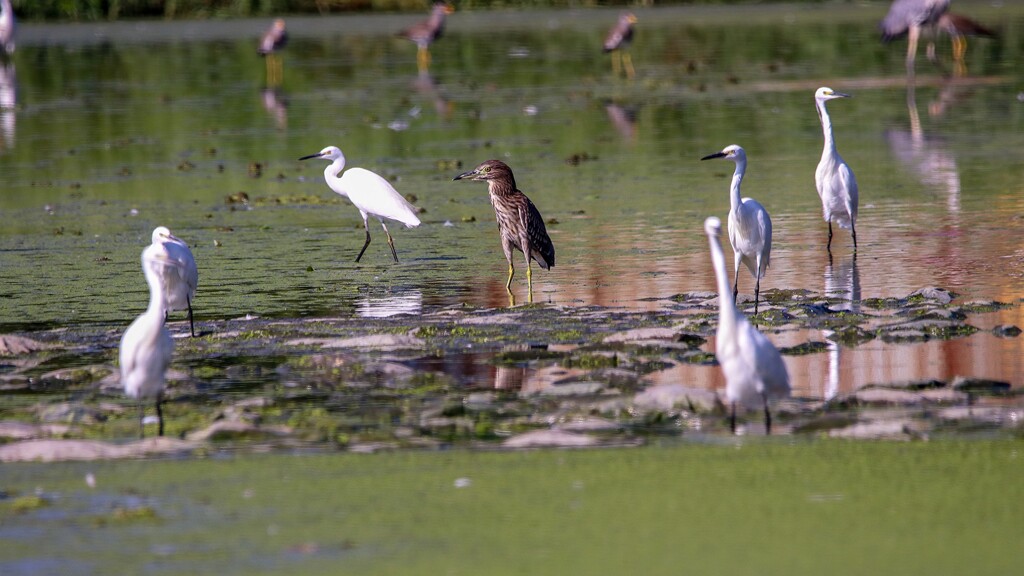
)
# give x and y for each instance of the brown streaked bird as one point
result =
(519, 222)
(273, 39)
(426, 32)
(617, 42)
(959, 27)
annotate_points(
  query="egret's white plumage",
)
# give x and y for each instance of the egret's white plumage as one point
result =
(7, 27)
(750, 227)
(836, 184)
(754, 370)
(182, 277)
(371, 194)
(146, 346)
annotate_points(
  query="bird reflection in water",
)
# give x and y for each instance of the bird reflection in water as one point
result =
(8, 102)
(842, 281)
(275, 102)
(387, 305)
(427, 86)
(623, 119)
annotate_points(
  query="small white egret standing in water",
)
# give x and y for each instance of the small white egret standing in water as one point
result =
(754, 370)
(179, 280)
(146, 346)
(369, 192)
(837, 187)
(750, 227)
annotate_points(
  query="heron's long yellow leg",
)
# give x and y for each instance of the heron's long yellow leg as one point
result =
(511, 273)
(912, 48)
(959, 48)
(627, 61)
(616, 64)
(529, 283)
(423, 59)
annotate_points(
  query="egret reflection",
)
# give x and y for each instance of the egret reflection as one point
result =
(842, 281)
(275, 102)
(385, 306)
(8, 102)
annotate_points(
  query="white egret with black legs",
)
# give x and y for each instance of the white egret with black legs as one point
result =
(371, 194)
(836, 184)
(754, 370)
(146, 346)
(750, 227)
(181, 279)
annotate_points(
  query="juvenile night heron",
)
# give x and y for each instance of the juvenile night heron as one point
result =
(750, 227)
(754, 370)
(146, 346)
(910, 17)
(179, 280)
(426, 32)
(273, 40)
(371, 194)
(519, 222)
(617, 42)
(7, 27)
(837, 187)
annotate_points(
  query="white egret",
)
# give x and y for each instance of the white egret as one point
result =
(7, 26)
(837, 187)
(754, 370)
(179, 280)
(371, 194)
(146, 346)
(909, 17)
(750, 227)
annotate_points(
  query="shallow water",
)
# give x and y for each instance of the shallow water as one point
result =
(120, 127)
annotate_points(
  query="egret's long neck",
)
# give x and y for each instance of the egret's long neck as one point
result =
(157, 299)
(826, 128)
(734, 191)
(331, 174)
(726, 308)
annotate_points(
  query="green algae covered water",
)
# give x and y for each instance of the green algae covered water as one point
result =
(757, 507)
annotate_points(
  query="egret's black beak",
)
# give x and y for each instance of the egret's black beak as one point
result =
(317, 155)
(465, 175)
(841, 95)
(715, 155)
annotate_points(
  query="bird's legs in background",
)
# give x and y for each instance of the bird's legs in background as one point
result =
(367, 243)
(423, 58)
(511, 273)
(391, 242)
(627, 63)
(959, 50)
(616, 63)
(275, 70)
(767, 417)
(142, 420)
(191, 324)
(912, 36)
(159, 416)
(736, 278)
(732, 418)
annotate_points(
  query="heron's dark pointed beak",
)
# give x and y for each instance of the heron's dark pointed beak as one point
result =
(841, 95)
(317, 155)
(465, 175)
(715, 155)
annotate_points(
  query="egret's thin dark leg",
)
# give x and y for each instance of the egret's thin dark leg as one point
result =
(142, 418)
(367, 243)
(767, 418)
(732, 419)
(391, 242)
(853, 229)
(757, 292)
(159, 417)
(829, 245)
(191, 324)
